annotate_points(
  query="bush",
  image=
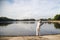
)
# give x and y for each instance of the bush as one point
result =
(57, 17)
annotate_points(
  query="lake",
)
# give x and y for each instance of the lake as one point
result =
(28, 28)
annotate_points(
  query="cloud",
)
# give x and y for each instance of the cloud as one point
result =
(15, 9)
(30, 8)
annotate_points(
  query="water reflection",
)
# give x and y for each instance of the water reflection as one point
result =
(49, 22)
(28, 22)
(57, 25)
(5, 24)
(25, 22)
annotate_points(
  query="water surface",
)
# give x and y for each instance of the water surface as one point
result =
(22, 28)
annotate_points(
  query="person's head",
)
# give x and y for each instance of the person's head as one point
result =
(38, 20)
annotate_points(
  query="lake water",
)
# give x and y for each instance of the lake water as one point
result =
(28, 28)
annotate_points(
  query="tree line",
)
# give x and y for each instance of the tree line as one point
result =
(56, 17)
(9, 19)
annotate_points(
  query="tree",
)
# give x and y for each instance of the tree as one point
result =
(57, 17)
(5, 19)
(49, 19)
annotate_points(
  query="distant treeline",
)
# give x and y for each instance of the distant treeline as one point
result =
(6, 19)
(27, 20)
(56, 17)
(9, 19)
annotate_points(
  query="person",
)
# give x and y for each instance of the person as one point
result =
(39, 23)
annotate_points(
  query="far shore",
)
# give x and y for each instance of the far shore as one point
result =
(57, 21)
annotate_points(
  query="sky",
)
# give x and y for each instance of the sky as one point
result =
(21, 9)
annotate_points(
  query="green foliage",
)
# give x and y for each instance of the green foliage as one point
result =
(4, 24)
(43, 19)
(57, 17)
(28, 20)
(5, 19)
(49, 19)
(8, 19)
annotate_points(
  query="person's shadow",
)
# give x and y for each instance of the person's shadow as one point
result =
(39, 24)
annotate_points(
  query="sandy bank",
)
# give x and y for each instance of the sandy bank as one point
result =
(55, 21)
(47, 37)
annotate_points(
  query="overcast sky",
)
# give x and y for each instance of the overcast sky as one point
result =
(19, 9)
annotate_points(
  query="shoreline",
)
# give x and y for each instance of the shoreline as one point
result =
(25, 35)
(54, 21)
(44, 37)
